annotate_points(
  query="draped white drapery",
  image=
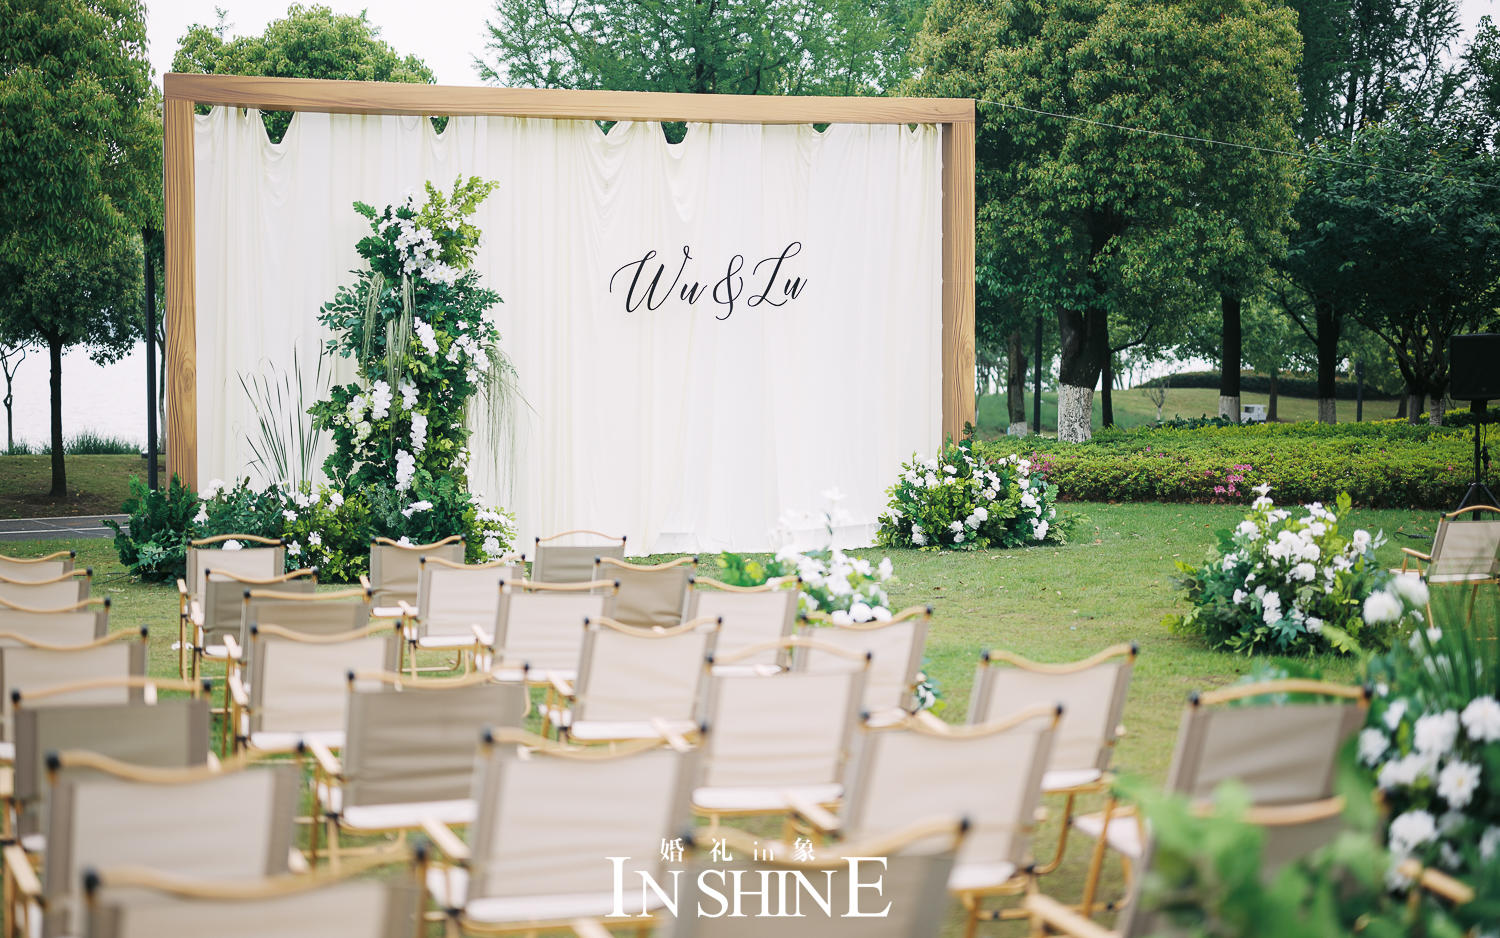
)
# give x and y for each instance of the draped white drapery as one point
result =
(687, 427)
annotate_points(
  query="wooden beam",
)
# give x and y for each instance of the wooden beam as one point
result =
(373, 97)
(958, 278)
(182, 326)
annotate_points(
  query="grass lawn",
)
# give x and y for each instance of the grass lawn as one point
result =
(1133, 409)
(1110, 584)
(96, 485)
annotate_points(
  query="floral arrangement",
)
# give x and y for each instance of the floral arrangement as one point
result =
(959, 501)
(1288, 583)
(1432, 742)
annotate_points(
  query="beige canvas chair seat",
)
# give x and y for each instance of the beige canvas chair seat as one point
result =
(554, 561)
(396, 570)
(287, 740)
(448, 886)
(605, 730)
(728, 800)
(1060, 780)
(1126, 839)
(649, 596)
(540, 626)
(454, 812)
(896, 647)
(37, 568)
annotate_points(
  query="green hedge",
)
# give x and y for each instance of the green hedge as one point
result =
(1379, 465)
(1252, 383)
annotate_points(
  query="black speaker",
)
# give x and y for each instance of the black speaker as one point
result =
(1474, 367)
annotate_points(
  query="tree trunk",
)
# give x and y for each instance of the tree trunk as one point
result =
(1106, 392)
(1083, 341)
(1401, 407)
(1439, 407)
(1275, 388)
(1229, 361)
(59, 471)
(1015, 384)
(1414, 406)
(1328, 362)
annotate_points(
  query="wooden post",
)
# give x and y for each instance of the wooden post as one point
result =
(958, 278)
(182, 327)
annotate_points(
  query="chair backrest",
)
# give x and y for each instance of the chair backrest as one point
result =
(560, 559)
(224, 598)
(782, 729)
(818, 897)
(896, 648)
(298, 680)
(410, 741)
(210, 823)
(303, 610)
(989, 773)
(66, 625)
(752, 615)
(66, 589)
(544, 827)
(30, 667)
(452, 598)
(1466, 549)
(255, 558)
(135, 903)
(649, 596)
(396, 569)
(37, 568)
(541, 624)
(627, 673)
(1092, 692)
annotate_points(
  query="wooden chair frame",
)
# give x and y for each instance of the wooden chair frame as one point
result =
(412, 623)
(186, 597)
(1415, 561)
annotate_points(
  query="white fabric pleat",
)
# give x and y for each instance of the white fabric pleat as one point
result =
(681, 430)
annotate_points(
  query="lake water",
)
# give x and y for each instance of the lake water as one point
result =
(108, 399)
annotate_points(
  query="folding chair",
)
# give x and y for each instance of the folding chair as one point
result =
(1092, 693)
(452, 599)
(263, 560)
(90, 667)
(649, 596)
(988, 773)
(139, 903)
(912, 868)
(632, 682)
(65, 589)
(896, 647)
(572, 563)
(780, 740)
(210, 822)
(408, 753)
(31, 569)
(751, 615)
(1465, 552)
(79, 622)
(538, 628)
(222, 609)
(549, 818)
(297, 691)
(396, 571)
(1284, 753)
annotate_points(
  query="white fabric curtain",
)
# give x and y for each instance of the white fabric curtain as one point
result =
(688, 427)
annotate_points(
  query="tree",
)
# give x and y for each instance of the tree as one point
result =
(846, 47)
(1102, 220)
(78, 166)
(11, 358)
(311, 42)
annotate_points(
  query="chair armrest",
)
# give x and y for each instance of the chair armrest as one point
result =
(589, 928)
(931, 720)
(327, 761)
(445, 840)
(814, 814)
(486, 641)
(296, 862)
(212, 761)
(22, 876)
(182, 588)
(364, 582)
(1416, 553)
(560, 684)
(237, 691)
(1062, 919)
(676, 740)
(195, 613)
(408, 611)
(232, 648)
(1437, 882)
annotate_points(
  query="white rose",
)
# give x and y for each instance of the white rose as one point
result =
(1457, 782)
(1360, 541)
(1382, 607)
(1435, 733)
(1372, 745)
(1409, 586)
(1411, 830)
(1481, 719)
(1248, 528)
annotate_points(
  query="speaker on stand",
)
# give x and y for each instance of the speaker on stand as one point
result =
(1474, 370)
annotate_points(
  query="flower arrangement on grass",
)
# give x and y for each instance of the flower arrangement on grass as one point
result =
(1288, 583)
(959, 501)
(1432, 741)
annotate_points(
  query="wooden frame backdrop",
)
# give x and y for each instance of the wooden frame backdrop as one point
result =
(183, 92)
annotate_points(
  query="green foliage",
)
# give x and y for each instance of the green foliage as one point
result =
(960, 500)
(85, 443)
(1283, 584)
(1378, 465)
(154, 546)
(1252, 383)
(311, 42)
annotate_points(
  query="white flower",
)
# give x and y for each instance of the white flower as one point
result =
(1360, 541)
(202, 516)
(972, 521)
(404, 541)
(1262, 489)
(1457, 782)
(1489, 843)
(315, 539)
(951, 470)
(1039, 529)
(1272, 614)
(917, 537)
(1315, 625)
(1304, 571)
(1401, 773)
(1382, 607)
(958, 538)
(842, 617)
(414, 507)
(885, 569)
(289, 515)
(880, 614)
(1411, 830)
(1435, 733)
(1481, 719)
(1393, 715)
(1409, 586)
(956, 527)
(418, 432)
(491, 546)
(1317, 529)
(232, 545)
(982, 513)
(408, 393)
(1240, 597)
(1372, 745)
(1248, 529)
(336, 499)
(212, 489)
(380, 400)
(1028, 501)
(1262, 502)
(406, 467)
(293, 549)
(861, 612)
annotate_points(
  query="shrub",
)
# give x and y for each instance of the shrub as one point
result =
(958, 500)
(154, 545)
(1283, 584)
(1377, 465)
(1251, 383)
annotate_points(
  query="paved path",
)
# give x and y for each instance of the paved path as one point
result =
(78, 526)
